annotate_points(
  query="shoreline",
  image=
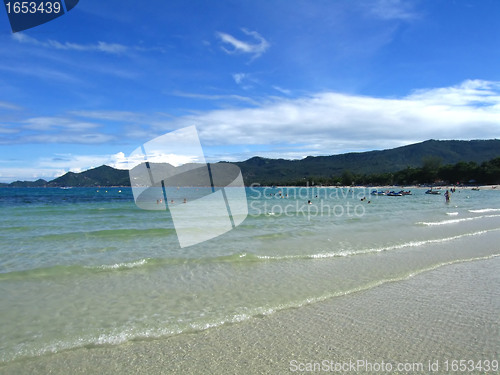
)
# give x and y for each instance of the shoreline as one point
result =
(463, 187)
(381, 187)
(379, 324)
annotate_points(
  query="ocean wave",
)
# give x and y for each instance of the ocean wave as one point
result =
(82, 270)
(244, 257)
(485, 210)
(108, 233)
(454, 221)
(71, 270)
(346, 253)
(119, 266)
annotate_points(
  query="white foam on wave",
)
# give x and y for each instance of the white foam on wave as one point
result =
(346, 253)
(119, 336)
(452, 213)
(483, 210)
(454, 221)
(119, 266)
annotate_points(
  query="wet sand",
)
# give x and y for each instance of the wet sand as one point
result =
(450, 313)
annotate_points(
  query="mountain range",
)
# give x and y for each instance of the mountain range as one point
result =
(281, 171)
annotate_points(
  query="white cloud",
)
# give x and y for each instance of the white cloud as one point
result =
(5, 129)
(239, 46)
(239, 77)
(245, 80)
(329, 122)
(11, 106)
(119, 116)
(55, 129)
(23, 38)
(71, 162)
(50, 167)
(318, 124)
(58, 164)
(471, 92)
(215, 97)
(100, 46)
(155, 157)
(282, 90)
(87, 138)
(392, 9)
(41, 73)
(50, 123)
(29, 174)
(57, 138)
(113, 48)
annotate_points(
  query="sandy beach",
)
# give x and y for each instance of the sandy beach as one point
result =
(380, 326)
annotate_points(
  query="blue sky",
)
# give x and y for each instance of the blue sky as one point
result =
(271, 78)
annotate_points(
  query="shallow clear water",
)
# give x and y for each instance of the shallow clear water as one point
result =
(85, 267)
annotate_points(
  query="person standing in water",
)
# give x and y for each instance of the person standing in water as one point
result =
(447, 196)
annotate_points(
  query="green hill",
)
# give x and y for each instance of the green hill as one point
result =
(100, 176)
(278, 171)
(37, 183)
(430, 154)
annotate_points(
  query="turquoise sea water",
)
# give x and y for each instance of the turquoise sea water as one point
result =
(85, 267)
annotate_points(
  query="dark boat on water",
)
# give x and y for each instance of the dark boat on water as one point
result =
(394, 194)
(433, 192)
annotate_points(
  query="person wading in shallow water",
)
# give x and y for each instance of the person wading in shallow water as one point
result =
(447, 196)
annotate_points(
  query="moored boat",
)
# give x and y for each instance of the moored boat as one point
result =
(394, 194)
(433, 192)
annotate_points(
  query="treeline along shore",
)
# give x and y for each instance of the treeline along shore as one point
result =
(432, 173)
